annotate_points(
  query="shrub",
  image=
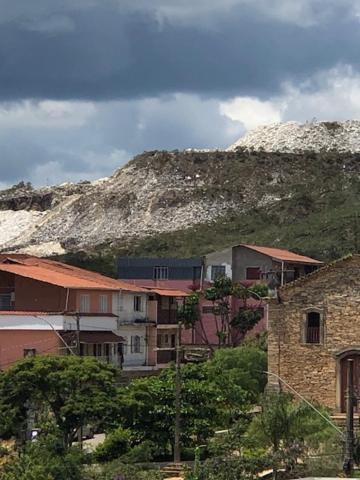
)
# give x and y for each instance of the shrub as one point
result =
(142, 453)
(116, 443)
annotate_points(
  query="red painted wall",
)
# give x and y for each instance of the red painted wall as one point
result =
(31, 295)
(13, 343)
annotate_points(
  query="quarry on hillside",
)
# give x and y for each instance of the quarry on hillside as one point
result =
(281, 172)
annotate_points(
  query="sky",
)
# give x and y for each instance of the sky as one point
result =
(87, 84)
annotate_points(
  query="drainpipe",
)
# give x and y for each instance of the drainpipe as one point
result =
(67, 299)
(282, 273)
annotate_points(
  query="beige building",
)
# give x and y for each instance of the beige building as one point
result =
(314, 327)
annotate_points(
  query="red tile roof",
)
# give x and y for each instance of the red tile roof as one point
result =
(282, 254)
(167, 292)
(60, 274)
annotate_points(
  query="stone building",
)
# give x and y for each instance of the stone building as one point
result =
(314, 327)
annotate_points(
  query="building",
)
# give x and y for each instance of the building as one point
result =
(183, 273)
(253, 263)
(314, 329)
(47, 306)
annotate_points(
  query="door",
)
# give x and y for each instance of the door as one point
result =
(356, 379)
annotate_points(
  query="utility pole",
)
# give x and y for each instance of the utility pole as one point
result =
(78, 350)
(348, 466)
(78, 353)
(177, 396)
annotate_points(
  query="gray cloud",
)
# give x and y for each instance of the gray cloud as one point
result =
(86, 84)
(107, 50)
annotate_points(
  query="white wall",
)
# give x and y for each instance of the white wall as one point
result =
(132, 359)
(125, 307)
(57, 322)
(224, 258)
(31, 322)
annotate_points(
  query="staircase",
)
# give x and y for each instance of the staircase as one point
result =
(174, 471)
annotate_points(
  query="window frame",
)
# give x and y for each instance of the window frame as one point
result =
(161, 272)
(138, 303)
(104, 306)
(253, 268)
(214, 276)
(84, 296)
(136, 344)
(305, 326)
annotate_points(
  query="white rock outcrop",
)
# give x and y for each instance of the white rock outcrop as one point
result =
(299, 137)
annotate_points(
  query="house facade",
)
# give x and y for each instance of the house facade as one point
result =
(314, 328)
(48, 307)
(253, 263)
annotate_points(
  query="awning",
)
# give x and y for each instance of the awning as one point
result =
(96, 337)
(167, 292)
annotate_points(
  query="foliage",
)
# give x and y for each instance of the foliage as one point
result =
(188, 313)
(148, 407)
(231, 468)
(288, 429)
(141, 453)
(246, 318)
(259, 340)
(118, 470)
(75, 391)
(45, 459)
(260, 290)
(240, 367)
(233, 315)
(116, 443)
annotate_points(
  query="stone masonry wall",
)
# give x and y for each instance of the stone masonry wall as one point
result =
(313, 369)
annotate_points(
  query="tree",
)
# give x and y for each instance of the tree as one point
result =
(287, 428)
(238, 372)
(233, 314)
(74, 390)
(148, 407)
(45, 459)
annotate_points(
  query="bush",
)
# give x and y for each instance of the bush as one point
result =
(45, 459)
(142, 453)
(117, 469)
(116, 443)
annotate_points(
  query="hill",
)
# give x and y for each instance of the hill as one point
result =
(189, 203)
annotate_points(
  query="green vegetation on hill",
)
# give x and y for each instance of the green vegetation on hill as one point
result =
(308, 203)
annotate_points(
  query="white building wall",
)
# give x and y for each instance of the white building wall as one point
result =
(132, 358)
(221, 258)
(126, 311)
(56, 322)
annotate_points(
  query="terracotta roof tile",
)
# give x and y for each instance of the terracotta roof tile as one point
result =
(60, 274)
(167, 292)
(282, 254)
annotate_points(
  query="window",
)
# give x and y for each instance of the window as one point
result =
(103, 303)
(85, 303)
(5, 301)
(29, 352)
(161, 273)
(137, 303)
(135, 344)
(217, 271)
(163, 340)
(313, 327)
(253, 273)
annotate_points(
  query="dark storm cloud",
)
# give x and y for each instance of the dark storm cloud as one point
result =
(106, 52)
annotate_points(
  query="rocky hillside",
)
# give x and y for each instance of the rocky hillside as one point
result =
(188, 203)
(297, 137)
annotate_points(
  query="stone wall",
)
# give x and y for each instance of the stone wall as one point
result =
(313, 369)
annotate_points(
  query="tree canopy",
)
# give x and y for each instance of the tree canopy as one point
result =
(75, 391)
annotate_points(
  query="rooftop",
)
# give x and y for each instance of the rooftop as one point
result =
(282, 255)
(61, 274)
